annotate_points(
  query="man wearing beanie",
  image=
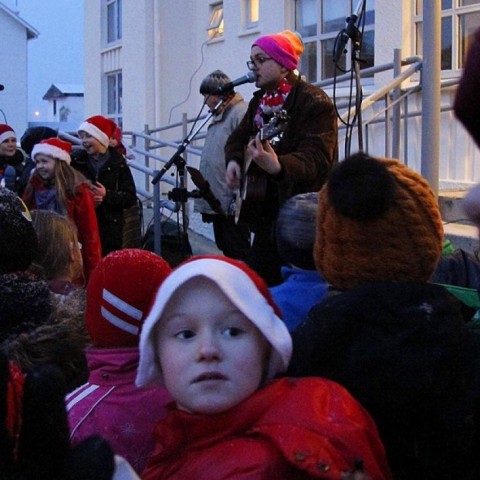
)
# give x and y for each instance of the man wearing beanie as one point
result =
(113, 186)
(297, 158)
(396, 342)
(231, 238)
(119, 294)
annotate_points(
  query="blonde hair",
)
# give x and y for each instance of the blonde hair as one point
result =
(66, 179)
(57, 235)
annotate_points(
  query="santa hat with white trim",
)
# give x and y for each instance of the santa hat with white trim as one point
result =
(6, 131)
(120, 290)
(54, 147)
(243, 287)
(99, 127)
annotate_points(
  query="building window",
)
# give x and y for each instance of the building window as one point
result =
(460, 19)
(251, 13)
(319, 22)
(114, 20)
(215, 27)
(114, 97)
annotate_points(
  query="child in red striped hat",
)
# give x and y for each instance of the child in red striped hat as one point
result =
(55, 185)
(119, 294)
(216, 340)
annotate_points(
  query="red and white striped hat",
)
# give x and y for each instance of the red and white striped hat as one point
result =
(6, 131)
(119, 293)
(54, 147)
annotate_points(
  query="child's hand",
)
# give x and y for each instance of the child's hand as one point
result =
(99, 192)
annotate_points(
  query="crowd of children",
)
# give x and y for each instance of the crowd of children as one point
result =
(113, 365)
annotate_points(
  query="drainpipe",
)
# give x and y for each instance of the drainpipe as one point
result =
(430, 151)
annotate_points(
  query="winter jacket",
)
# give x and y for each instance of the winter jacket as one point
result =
(212, 162)
(299, 292)
(81, 210)
(112, 406)
(467, 101)
(402, 350)
(308, 147)
(116, 177)
(290, 429)
(18, 163)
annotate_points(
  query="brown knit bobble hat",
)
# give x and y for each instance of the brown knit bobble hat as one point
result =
(377, 220)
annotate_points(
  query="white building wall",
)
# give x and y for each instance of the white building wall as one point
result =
(13, 99)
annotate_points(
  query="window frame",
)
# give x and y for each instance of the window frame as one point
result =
(455, 12)
(114, 27)
(216, 24)
(317, 42)
(252, 14)
(114, 99)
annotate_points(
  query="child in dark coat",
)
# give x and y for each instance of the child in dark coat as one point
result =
(396, 342)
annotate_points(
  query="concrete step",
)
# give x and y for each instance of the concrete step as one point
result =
(458, 229)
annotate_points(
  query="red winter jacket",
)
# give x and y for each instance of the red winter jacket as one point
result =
(291, 429)
(81, 210)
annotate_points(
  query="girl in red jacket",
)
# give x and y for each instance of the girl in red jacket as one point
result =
(55, 185)
(215, 339)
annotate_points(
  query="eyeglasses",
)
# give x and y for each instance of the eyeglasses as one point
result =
(256, 62)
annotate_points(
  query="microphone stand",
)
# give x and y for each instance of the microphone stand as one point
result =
(353, 33)
(180, 194)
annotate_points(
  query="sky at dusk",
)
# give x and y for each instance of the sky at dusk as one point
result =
(56, 56)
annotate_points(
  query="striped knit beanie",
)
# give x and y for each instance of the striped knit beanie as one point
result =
(377, 220)
(119, 293)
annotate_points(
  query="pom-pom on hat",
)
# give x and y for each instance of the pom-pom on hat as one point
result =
(54, 147)
(18, 240)
(6, 131)
(119, 292)
(295, 230)
(99, 127)
(377, 220)
(243, 287)
(284, 47)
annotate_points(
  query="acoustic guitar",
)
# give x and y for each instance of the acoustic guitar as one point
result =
(253, 184)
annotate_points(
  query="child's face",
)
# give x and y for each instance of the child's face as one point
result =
(45, 166)
(91, 144)
(212, 357)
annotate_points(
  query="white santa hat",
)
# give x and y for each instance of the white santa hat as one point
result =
(243, 287)
(54, 147)
(6, 131)
(99, 127)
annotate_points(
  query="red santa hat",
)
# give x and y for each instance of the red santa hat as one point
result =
(119, 292)
(54, 147)
(99, 127)
(243, 287)
(6, 131)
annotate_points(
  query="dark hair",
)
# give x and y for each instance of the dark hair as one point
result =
(34, 135)
(213, 81)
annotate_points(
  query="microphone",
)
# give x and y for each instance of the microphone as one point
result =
(250, 77)
(2, 87)
(204, 190)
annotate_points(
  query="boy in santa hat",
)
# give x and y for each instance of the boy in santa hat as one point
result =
(112, 186)
(216, 340)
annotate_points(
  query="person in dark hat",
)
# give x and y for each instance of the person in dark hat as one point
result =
(289, 133)
(302, 286)
(398, 343)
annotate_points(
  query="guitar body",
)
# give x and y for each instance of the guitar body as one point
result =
(250, 199)
(252, 194)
